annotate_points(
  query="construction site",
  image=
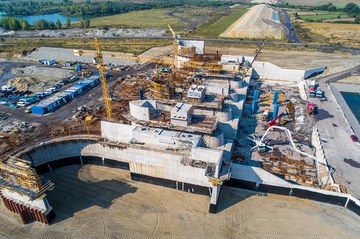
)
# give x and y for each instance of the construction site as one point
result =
(194, 121)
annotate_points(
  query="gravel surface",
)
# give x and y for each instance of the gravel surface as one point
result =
(78, 32)
(63, 54)
(258, 22)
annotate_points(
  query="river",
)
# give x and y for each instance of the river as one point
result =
(48, 17)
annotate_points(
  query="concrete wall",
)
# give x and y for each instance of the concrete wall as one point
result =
(257, 179)
(155, 163)
(116, 134)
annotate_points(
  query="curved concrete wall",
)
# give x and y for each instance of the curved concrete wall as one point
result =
(155, 163)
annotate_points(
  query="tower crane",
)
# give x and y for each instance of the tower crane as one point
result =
(98, 58)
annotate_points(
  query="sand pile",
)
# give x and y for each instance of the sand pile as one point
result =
(23, 83)
(261, 21)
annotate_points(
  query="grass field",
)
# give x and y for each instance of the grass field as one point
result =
(214, 27)
(337, 3)
(197, 13)
(339, 34)
(157, 18)
(323, 16)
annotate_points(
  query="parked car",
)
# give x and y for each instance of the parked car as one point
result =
(23, 102)
(48, 92)
(354, 138)
(8, 88)
(40, 95)
(28, 110)
(13, 105)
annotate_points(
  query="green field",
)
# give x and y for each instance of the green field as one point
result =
(323, 16)
(139, 19)
(219, 23)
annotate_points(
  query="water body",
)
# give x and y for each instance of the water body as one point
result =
(353, 101)
(48, 17)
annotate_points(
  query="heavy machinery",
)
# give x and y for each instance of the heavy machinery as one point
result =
(311, 108)
(273, 121)
(263, 147)
(257, 52)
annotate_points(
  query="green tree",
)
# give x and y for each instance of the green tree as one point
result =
(52, 25)
(357, 19)
(87, 23)
(14, 24)
(25, 25)
(349, 7)
(58, 24)
(5, 23)
(68, 23)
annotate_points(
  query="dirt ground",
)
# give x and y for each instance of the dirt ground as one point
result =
(258, 22)
(351, 80)
(99, 202)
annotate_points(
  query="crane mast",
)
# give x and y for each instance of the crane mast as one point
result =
(99, 60)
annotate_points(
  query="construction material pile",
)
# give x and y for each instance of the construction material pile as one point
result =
(261, 21)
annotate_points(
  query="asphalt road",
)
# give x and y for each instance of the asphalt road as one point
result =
(335, 133)
(291, 34)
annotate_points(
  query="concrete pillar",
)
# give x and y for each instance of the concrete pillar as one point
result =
(182, 187)
(276, 97)
(347, 201)
(103, 161)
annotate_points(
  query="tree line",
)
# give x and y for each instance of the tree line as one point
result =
(15, 24)
(94, 9)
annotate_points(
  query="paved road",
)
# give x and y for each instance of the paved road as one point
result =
(291, 34)
(341, 153)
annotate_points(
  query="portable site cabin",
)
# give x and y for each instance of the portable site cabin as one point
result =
(64, 97)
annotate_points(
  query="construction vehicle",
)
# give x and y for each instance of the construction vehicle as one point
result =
(312, 93)
(257, 52)
(263, 147)
(311, 108)
(98, 59)
(273, 121)
(320, 94)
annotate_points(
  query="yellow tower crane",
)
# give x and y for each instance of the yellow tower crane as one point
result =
(99, 61)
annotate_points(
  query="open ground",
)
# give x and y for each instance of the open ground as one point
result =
(100, 202)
